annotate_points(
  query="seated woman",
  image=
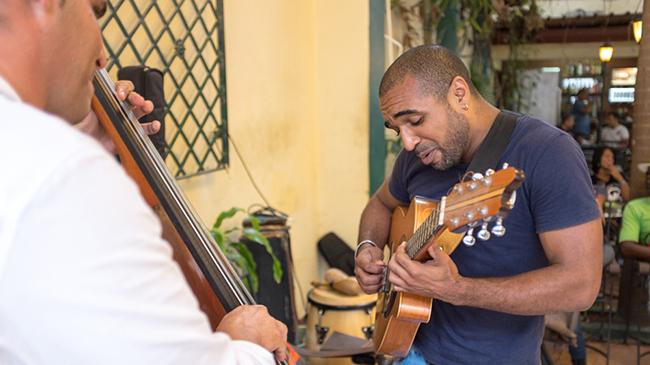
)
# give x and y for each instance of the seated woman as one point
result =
(606, 174)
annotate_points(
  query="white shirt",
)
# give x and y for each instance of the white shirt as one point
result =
(84, 276)
(612, 137)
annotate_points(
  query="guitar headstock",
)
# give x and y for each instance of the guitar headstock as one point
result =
(480, 201)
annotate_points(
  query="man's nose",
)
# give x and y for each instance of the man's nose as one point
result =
(102, 59)
(409, 140)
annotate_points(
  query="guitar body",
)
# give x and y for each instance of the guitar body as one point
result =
(472, 204)
(399, 315)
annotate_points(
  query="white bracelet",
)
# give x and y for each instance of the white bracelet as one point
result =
(360, 244)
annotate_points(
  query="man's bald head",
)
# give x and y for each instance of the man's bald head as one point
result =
(433, 66)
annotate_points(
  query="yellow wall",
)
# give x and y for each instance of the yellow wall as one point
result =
(297, 83)
(342, 52)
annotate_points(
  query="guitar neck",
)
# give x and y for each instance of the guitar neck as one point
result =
(425, 231)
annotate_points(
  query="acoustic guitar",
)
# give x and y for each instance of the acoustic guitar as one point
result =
(471, 205)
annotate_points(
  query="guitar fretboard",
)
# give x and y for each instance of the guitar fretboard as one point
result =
(423, 234)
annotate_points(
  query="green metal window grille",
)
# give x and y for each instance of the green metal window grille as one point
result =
(185, 40)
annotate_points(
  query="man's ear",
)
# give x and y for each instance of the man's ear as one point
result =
(458, 95)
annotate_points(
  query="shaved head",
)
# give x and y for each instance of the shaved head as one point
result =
(434, 67)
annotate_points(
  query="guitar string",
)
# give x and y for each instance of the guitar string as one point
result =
(419, 238)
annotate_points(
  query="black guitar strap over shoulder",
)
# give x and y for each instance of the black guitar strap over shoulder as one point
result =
(489, 152)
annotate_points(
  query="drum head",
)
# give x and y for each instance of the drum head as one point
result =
(327, 297)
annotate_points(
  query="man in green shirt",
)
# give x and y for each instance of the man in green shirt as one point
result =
(635, 231)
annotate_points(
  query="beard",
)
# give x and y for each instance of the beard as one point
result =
(455, 144)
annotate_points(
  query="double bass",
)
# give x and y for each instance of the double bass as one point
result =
(213, 281)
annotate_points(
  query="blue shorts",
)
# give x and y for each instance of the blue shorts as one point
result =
(414, 358)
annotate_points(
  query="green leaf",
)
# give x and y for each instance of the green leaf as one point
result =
(255, 284)
(234, 256)
(246, 254)
(225, 215)
(257, 237)
(241, 263)
(255, 222)
(238, 253)
(277, 269)
(218, 238)
(249, 263)
(231, 230)
(475, 25)
(247, 283)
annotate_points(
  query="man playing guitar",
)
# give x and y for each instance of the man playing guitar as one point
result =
(490, 298)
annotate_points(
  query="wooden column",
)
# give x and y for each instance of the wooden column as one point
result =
(641, 127)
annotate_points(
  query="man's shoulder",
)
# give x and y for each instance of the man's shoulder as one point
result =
(30, 135)
(621, 128)
(536, 145)
(535, 133)
(36, 146)
(639, 204)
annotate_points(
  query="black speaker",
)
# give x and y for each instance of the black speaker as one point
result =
(277, 297)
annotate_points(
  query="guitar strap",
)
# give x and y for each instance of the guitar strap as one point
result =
(489, 152)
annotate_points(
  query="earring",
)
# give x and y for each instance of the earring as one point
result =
(465, 107)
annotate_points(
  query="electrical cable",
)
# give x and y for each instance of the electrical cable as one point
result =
(248, 172)
(275, 211)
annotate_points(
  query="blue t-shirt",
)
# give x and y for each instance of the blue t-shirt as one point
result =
(582, 126)
(556, 193)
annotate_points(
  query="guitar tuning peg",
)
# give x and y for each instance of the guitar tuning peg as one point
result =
(505, 166)
(483, 233)
(487, 181)
(477, 176)
(469, 239)
(499, 230)
(489, 172)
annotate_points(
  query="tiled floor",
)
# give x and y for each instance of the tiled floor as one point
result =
(620, 354)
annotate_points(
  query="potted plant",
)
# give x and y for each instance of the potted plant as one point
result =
(230, 242)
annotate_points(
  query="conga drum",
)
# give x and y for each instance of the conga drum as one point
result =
(330, 311)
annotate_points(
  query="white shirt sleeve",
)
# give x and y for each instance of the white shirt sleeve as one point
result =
(623, 132)
(88, 280)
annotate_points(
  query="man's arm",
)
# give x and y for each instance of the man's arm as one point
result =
(374, 227)
(633, 250)
(375, 219)
(569, 283)
(629, 236)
